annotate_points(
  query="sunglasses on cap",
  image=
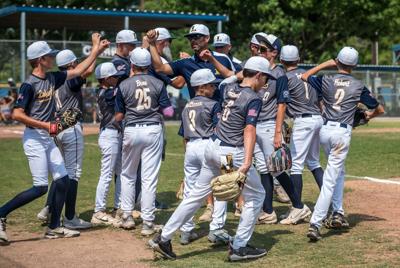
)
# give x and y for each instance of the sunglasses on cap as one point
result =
(194, 37)
(263, 49)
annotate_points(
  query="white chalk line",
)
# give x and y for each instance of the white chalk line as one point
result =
(377, 180)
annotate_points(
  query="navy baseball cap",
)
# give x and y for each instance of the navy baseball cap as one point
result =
(270, 40)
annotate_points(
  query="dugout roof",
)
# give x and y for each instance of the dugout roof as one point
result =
(50, 17)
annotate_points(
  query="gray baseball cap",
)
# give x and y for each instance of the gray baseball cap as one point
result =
(65, 57)
(140, 57)
(259, 64)
(348, 56)
(203, 77)
(126, 37)
(254, 39)
(163, 34)
(289, 53)
(105, 70)
(198, 29)
(39, 49)
(221, 40)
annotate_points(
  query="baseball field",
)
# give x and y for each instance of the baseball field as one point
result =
(372, 208)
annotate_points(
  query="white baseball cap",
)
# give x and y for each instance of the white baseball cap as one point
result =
(348, 56)
(198, 29)
(271, 40)
(254, 39)
(289, 53)
(140, 57)
(259, 64)
(163, 34)
(221, 40)
(39, 49)
(65, 57)
(105, 70)
(203, 77)
(127, 37)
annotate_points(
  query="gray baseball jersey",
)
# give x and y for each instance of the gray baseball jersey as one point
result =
(303, 98)
(199, 118)
(140, 99)
(69, 95)
(341, 93)
(269, 96)
(241, 106)
(106, 102)
(36, 95)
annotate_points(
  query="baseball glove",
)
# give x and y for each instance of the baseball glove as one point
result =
(68, 119)
(359, 117)
(228, 186)
(287, 129)
(280, 160)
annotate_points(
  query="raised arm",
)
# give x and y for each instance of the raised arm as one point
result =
(151, 37)
(207, 55)
(316, 69)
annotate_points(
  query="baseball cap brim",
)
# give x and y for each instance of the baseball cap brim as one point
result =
(189, 34)
(261, 38)
(220, 44)
(216, 81)
(52, 53)
(119, 73)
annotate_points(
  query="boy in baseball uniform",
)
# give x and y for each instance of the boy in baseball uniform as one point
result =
(341, 93)
(199, 118)
(141, 102)
(235, 134)
(70, 141)
(36, 109)
(110, 140)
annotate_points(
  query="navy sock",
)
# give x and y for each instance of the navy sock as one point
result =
(138, 184)
(318, 176)
(268, 184)
(297, 180)
(21, 199)
(70, 201)
(60, 194)
(288, 185)
(50, 194)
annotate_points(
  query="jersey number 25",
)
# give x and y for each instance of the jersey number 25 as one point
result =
(144, 100)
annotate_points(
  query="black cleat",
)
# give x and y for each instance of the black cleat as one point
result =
(339, 221)
(313, 233)
(164, 248)
(245, 253)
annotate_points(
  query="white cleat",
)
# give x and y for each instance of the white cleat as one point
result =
(149, 228)
(76, 224)
(297, 215)
(60, 232)
(102, 218)
(265, 218)
(3, 234)
(127, 221)
(44, 214)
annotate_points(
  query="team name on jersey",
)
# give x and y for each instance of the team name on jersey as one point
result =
(231, 94)
(141, 83)
(341, 83)
(45, 95)
(193, 104)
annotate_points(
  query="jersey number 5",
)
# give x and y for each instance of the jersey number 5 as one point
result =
(144, 100)
(339, 95)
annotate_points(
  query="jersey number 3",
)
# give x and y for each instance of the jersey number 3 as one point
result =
(144, 100)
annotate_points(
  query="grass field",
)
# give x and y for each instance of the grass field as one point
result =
(371, 154)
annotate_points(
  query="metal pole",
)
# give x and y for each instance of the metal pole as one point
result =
(126, 23)
(22, 44)
(64, 36)
(219, 26)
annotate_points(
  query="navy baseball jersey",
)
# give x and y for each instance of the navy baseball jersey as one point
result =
(303, 98)
(341, 93)
(122, 64)
(69, 95)
(241, 106)
(185, 68)
(106, 104)
(269, 96)
(36, 95)
(199, 118)
(140, 98)
(163, 77)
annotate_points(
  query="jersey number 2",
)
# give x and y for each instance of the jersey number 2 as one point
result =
(339, 95)
(144, 100)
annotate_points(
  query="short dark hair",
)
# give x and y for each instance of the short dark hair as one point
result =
(34, 62)
(141, 68)
(290, 63)
(344, 66)
(249, 73)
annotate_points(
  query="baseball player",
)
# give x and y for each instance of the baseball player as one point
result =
(199, 118)
(304, 107)
(36, 108)
(341, 93)
(110, 141)
(235, 134)
(139, 100)
(198, 36)
(69, 141)
(222, 45)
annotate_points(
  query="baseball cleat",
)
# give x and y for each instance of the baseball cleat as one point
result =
(44, 214)
(219, 236)
(102, 218)
(149, 228)
(60, 232)
(164, 248)
(207, 214)
(265, 218)
(245, 253)
(297, 215)
(280, 194)
(314, 233)
(286, 214)
(116, 213)
(338, 221)
(187, 237)
(76, 223)
(3, 234)
(127, 221)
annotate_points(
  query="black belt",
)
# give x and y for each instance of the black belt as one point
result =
(343, 125)
(222, 143)
(305, 115)
(104, 128)
(142, 124)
